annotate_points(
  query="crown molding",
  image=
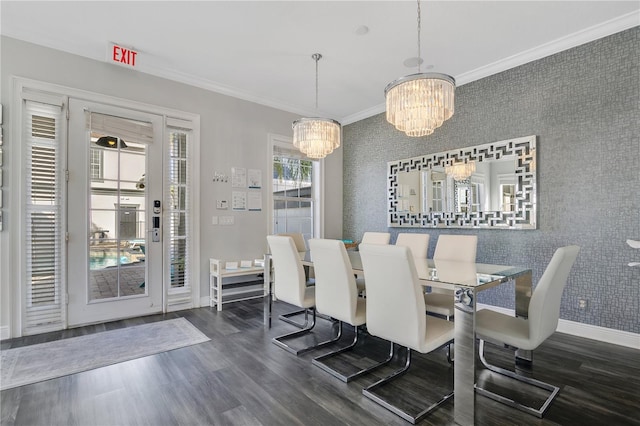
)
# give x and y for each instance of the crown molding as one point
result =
(369, 112)
(223, 89)
(587, 35)
(616, 25)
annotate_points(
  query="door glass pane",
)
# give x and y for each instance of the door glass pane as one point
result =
(117, 211)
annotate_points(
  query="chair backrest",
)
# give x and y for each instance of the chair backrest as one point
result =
(290, 283)
(336, 291)
(375, 238)
(461, 248)
(298, 240)
(395, 299)
(417, 243)
(544, 306)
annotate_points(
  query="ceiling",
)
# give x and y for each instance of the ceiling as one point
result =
(261, 50)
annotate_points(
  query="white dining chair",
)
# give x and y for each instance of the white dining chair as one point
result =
(371, 238)
(376, 238)
(298, 240)
(459, 248)
(528, 333)
(396, 312)
(301, 247)
(337, 297)
(418, 243)
(290, 287)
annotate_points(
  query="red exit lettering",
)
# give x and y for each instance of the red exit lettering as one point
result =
(123, 55)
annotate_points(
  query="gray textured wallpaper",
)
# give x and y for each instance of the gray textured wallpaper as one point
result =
(584, 106)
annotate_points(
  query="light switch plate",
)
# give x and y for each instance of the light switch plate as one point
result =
(214, 220)
(226, 220)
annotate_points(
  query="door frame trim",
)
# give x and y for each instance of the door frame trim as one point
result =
(15, 209)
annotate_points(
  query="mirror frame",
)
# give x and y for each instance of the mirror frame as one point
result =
(524, 216)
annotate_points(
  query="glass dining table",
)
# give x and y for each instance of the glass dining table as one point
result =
(465, 280)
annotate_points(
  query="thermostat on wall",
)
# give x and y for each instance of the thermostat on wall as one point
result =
(222, 204)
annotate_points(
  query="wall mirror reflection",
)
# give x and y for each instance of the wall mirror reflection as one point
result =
(484, 186)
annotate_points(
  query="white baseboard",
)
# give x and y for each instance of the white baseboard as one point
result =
(4, 333)
(602, 334)
(204, 301)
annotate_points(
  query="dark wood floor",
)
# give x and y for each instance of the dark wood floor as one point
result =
(241, 378)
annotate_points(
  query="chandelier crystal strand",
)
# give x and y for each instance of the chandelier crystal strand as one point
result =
(419, 103)
(461, 171)
(316, 137)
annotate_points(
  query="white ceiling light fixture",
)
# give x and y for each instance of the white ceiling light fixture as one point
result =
(417, 104)
(316, 137)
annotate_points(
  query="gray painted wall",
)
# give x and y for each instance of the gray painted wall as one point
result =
(583, 105)
(233, 133)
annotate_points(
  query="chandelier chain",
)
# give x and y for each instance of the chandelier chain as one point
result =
(419, 25)
(316, 57)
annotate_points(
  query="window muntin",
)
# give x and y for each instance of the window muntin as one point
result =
(294, 192)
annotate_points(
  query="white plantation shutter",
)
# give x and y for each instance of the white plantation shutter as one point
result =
(43, 230)
(178, 175)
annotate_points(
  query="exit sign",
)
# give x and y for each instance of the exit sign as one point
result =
(121, 55)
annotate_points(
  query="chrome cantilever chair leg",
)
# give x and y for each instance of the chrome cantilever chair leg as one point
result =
(319, 361)
(538, 412)
(368, 392)
(286, 318)
(279, 340)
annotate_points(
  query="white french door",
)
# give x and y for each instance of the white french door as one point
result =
(114, 212)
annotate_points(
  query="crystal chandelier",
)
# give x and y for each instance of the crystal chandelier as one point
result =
(418, 104)
(316, 137)
(461, 171)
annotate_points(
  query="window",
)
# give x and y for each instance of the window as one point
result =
(295, 192)
(507, 197)
(96, 165)
(506, 192)
(438, 196)
(476, 196)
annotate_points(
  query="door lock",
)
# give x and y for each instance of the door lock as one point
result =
(155, 231)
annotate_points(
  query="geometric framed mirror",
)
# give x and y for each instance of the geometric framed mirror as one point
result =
(489, 186)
